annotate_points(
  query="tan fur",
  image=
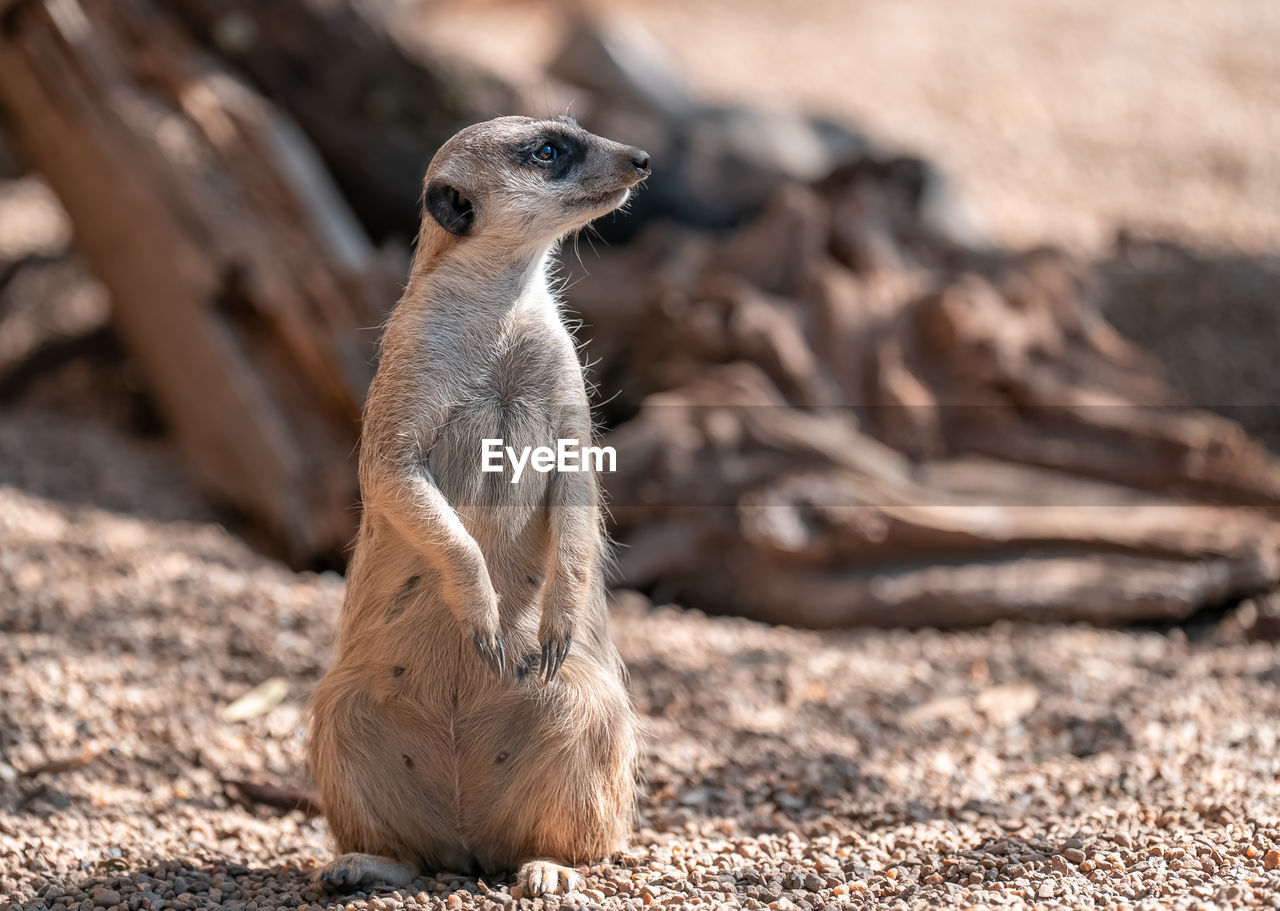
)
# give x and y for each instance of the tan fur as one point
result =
(426, 758)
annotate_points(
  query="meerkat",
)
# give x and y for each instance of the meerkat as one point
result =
(476, 715)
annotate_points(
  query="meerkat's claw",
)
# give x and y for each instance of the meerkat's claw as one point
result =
(562, 654)
(553, 655)
(491, 650)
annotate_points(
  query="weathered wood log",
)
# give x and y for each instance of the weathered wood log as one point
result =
(841, 421)
(728, 498)
(375, 113)
(239, 279)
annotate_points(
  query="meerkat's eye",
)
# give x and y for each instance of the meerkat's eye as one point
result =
(547, 152)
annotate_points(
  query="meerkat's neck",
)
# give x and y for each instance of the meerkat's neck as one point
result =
(480, 281)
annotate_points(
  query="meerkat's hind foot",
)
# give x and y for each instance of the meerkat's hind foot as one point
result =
(544, 877)
(350, 871)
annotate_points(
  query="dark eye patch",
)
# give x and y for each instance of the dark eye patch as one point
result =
(569, 153)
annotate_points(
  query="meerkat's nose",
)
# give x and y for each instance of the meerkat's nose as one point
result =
(640, 161)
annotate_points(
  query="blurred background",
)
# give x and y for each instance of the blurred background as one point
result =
(933, 315)
(902, 272)
(1058, 123)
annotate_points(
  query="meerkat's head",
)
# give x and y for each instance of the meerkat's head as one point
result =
(521, 181)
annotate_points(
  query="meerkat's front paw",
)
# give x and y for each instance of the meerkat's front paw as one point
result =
(555, 632)
(543, 877)
(554, 651)
(491, 649)
(480, 623)
(565, 592)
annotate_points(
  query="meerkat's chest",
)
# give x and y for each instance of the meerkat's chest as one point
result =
(504, 419)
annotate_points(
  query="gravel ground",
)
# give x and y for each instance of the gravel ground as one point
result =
(1055, 766)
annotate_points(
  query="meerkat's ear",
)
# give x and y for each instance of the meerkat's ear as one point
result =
(450, 208)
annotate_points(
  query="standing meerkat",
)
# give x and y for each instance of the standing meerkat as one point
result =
(476, 714)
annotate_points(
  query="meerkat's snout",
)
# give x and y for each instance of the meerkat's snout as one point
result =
(631, 167)
(640, 161)
(636, 165)
(629, 164)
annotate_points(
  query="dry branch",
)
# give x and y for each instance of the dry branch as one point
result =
(841, 421)
(374, 112)
(239, 279)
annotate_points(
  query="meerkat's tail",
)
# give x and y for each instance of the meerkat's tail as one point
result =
(280, 797)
